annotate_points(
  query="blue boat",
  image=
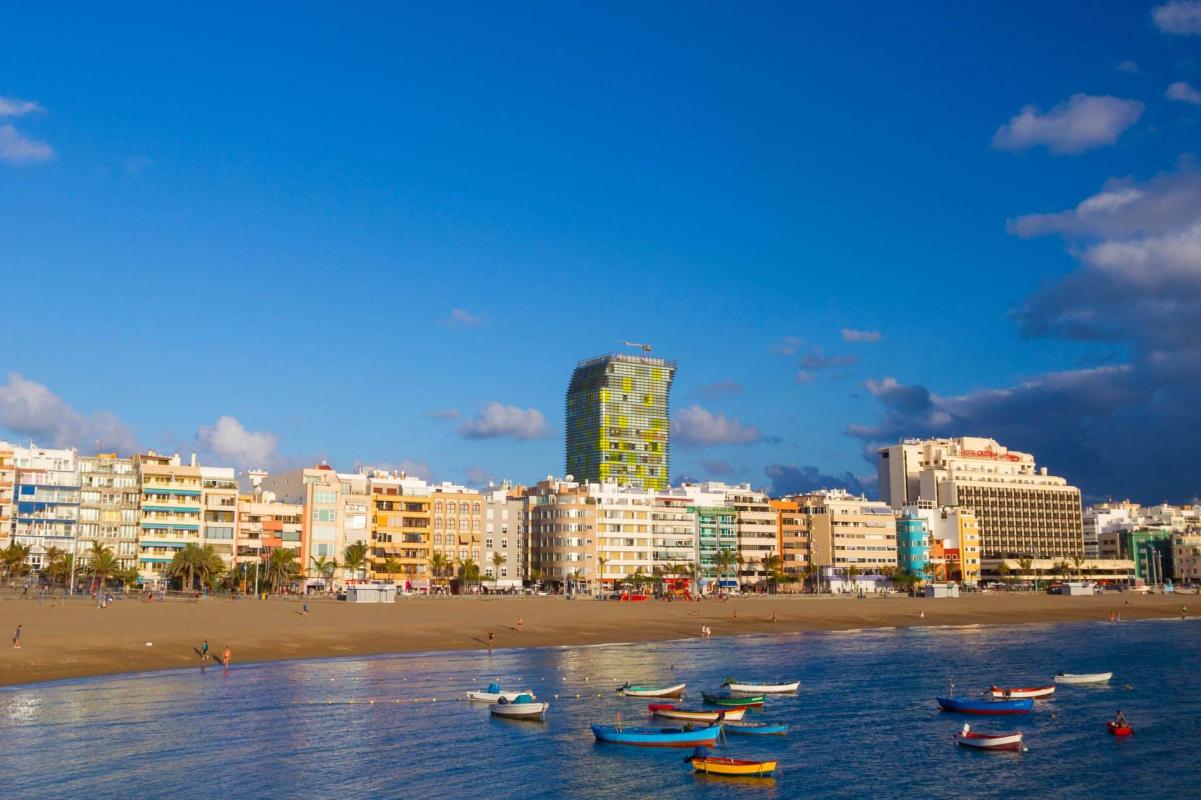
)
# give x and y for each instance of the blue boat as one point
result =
(756, 728)
(974, 705)
(657, 737)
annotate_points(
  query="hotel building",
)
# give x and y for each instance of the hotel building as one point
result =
(110, 499)
(617, 419)
(46, 500)
(1021, 509)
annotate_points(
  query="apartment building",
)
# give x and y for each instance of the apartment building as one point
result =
(171, 512)
(219, 495)
(337, 514)
(1022, 510)
(624, 536)
(716, 532)
(110, 499)
(673, 535)
(562, 534)
(504, 536)
(1186, 556)
(264, 524)
(46, 499)
(458, 524)
(401, 525)
(8, 476)
(850, 531)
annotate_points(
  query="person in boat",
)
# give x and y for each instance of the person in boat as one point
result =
(1119, 720)
(503, 701)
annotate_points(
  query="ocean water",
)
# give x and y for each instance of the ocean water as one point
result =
(865, 723)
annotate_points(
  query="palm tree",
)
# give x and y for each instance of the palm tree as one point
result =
(391, 567)
(1078, 562)
(811, 571)
(57, 565)
(853, 572)
(1003, 571)
(1025, 563)
(325, 567)
(498, 558)
(185, 564)
(469, 572)
(13, 558)
(600, 582)
(282, 567)
(772, 564)
(355, 557)
(439, 564)
(723, 561)
(102, 564)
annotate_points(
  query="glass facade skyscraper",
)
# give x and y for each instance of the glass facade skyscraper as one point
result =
(618, 420)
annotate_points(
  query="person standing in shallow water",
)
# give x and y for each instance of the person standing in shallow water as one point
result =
(17, 638)
(204, 650)
(227, 656)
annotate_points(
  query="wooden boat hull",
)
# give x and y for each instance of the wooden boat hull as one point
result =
(733, 700)
(756, 728)
(1036, 692)
(519, 710)
(999, 742)
(653, 691)
(969, 705)
(1083, 678)
(734, 767)
(494, 697)
(763, 688)
(1119, 730)
(657, 737)
(667, 711)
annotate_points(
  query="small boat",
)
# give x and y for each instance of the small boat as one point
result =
(972, 705)
(712, 765)
(1119, 730)
(761, 688)
(668, 711)
(727, 699)
(756, 728)
(652, 691)
(989, 741)
(524, 707)
(1036, 692)
(657, 737)
(493, 694)
(1083, 677)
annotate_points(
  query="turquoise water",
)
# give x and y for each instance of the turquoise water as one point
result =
(865, 721)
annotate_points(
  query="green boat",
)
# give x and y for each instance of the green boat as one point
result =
(724, 699)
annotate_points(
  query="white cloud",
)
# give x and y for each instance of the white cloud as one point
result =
(788, 346)
(1181, 17)
(28, 408)
(699, 426)
(228, 439)
(1080, 123)
(462, 318)
(12, 107)
(16, 148)
(852, 335)
(1184, 92)
(497, 420)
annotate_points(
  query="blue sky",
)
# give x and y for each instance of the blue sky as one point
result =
(278, 235)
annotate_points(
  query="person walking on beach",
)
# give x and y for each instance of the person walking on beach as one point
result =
(520, 624)
(226, 657)
(204, 650)
(306, 609)
(17, 638)
(490, 637)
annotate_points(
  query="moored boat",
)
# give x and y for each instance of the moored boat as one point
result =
(1119, 730)
(657, 737)
(756, 728)
(494, 693)
(727, 699)
(972, 705)
(1037, 692)
(1083, 677)
(989, 741)
(762, 687)
(525, 707)
(669, 711)
(675, 690)
(712, 765)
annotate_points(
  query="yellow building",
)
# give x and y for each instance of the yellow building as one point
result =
(171, 512)
(8, 474)
(458, 524)
(401, 511)
(969, 545)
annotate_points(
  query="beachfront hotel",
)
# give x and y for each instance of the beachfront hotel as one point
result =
(618, 421)
(1022, 510)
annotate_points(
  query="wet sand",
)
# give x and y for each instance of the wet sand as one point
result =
(76, 639)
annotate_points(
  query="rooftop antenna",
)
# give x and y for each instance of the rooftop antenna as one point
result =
(646, 348)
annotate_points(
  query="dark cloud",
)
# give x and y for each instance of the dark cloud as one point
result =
(715, 466)
(816, 360)
(787, 479)
(1121, 429)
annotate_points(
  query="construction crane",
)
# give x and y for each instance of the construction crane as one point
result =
(646, 348)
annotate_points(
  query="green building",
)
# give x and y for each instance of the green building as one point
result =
(1151, 552)
(618, 420)
(715, 532)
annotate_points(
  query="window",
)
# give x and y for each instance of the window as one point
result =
(325, 498)
(325, 515)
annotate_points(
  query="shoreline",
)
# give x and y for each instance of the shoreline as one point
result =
(77, 640)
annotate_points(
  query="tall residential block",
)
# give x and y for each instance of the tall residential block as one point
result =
(624, 531)
(171, 513)
(792, 535)
(46, 500)
(110, 498)
(618, 421)
(458, 524)
(504, 536)
(401, 512)
(850, 531)
(8, 476)
(264, 524)
(562, 534)
(1022, 510)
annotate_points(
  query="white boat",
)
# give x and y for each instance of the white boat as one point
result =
(531, 710)
(675, 690)
(989, 741)
(1083, 677)
(762, 688)
(1037, 692)
(495, 697)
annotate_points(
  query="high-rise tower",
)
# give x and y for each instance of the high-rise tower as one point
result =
(618, 420)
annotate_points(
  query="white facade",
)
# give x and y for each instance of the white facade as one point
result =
(45, 501)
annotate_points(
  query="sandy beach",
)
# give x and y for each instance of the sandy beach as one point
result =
(77, 639)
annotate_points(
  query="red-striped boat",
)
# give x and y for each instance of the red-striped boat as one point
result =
(1037, 692)
(989, 741)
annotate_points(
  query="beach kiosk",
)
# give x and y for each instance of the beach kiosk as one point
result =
(371, 592)
(942, 590)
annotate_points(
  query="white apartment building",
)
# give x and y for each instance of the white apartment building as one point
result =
(110, 495)
(1022, 509)
(1107, 518)
(624, 540)
(45, 506)
(504, 535)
